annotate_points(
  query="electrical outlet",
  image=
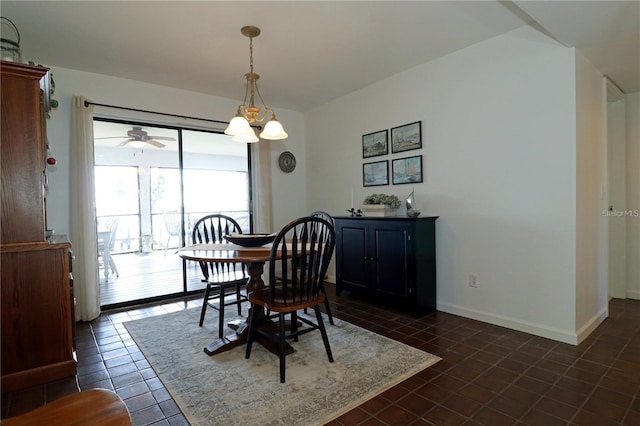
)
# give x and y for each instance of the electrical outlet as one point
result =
(473, 281)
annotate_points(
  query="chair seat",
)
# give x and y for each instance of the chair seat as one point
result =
(96, 407)
(261, 297)
(227, 279)
(217, 290)
(216, 296)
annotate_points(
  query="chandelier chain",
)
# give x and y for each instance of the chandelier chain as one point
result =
(251, 54)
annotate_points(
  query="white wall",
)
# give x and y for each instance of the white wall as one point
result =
(592, 226)
(633, 194)
(287, 189)
(499, 155)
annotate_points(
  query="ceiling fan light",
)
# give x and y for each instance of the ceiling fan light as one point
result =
(273, 130)
(137, 144)
(246, 137)
(238, 125)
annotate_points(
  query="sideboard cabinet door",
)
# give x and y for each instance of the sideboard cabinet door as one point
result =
(37, 322)
(352, 255)
(390, 256)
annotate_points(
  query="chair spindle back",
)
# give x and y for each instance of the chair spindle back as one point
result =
(305, 247)
(211, 229)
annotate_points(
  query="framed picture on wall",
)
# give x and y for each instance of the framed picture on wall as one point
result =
(375, 174)
(406, 137)
(407, 170)
(375, 144)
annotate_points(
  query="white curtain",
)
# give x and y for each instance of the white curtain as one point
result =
(261, 187)
(86, 284)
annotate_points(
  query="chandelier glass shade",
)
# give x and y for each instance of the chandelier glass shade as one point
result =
(240, 126)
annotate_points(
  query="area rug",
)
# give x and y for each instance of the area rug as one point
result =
(227, 389)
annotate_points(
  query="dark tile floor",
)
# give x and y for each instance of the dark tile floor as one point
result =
(489, 375)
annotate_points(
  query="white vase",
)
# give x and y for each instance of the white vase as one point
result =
(378, 210)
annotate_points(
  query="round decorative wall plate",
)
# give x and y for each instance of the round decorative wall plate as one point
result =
(287, 162)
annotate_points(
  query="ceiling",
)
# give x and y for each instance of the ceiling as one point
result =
(309, 52)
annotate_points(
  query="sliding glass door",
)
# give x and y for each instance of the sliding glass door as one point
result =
(156, 182)
(215, 180)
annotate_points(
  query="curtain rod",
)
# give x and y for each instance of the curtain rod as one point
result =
(87, 103)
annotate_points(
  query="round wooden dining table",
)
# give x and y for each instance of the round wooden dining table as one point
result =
(254, 258)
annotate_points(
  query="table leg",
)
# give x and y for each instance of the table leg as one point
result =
(238, 338)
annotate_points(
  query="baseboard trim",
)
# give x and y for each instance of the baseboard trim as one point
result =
(633, 294)
(592, 324)
(552, 333)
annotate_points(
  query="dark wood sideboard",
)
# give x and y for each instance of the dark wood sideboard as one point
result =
(392, 259)
(36, 282)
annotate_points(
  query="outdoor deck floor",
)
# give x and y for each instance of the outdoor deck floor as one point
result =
(147, 276)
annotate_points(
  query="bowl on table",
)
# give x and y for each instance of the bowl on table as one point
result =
(250, 240)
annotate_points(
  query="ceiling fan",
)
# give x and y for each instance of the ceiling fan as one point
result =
(138, 137)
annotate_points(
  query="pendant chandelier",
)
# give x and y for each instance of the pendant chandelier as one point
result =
(248, 113)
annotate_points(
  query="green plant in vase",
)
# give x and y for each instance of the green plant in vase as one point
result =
(389, 200)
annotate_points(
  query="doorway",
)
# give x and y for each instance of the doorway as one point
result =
(154, 182)
(617, 189)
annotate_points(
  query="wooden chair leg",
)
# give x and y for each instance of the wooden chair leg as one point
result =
(328, 308)
(238, 299)
(325, 338)
(252, 332)
(205, 302)
(294, 324)
(281, 350)
(221, 314)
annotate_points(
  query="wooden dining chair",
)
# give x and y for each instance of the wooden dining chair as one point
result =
(223, 279)
(300, 256)
(95, 407)
(326, 216)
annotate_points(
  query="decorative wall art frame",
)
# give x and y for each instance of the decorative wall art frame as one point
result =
(407, 170)
(375, 174)
(375, 144)
(406, 137)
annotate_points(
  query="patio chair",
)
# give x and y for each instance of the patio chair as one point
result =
(106, 243)
(173, 226)
(307, 243)
(223, 279)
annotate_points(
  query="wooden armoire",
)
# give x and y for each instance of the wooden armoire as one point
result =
(36, 282)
